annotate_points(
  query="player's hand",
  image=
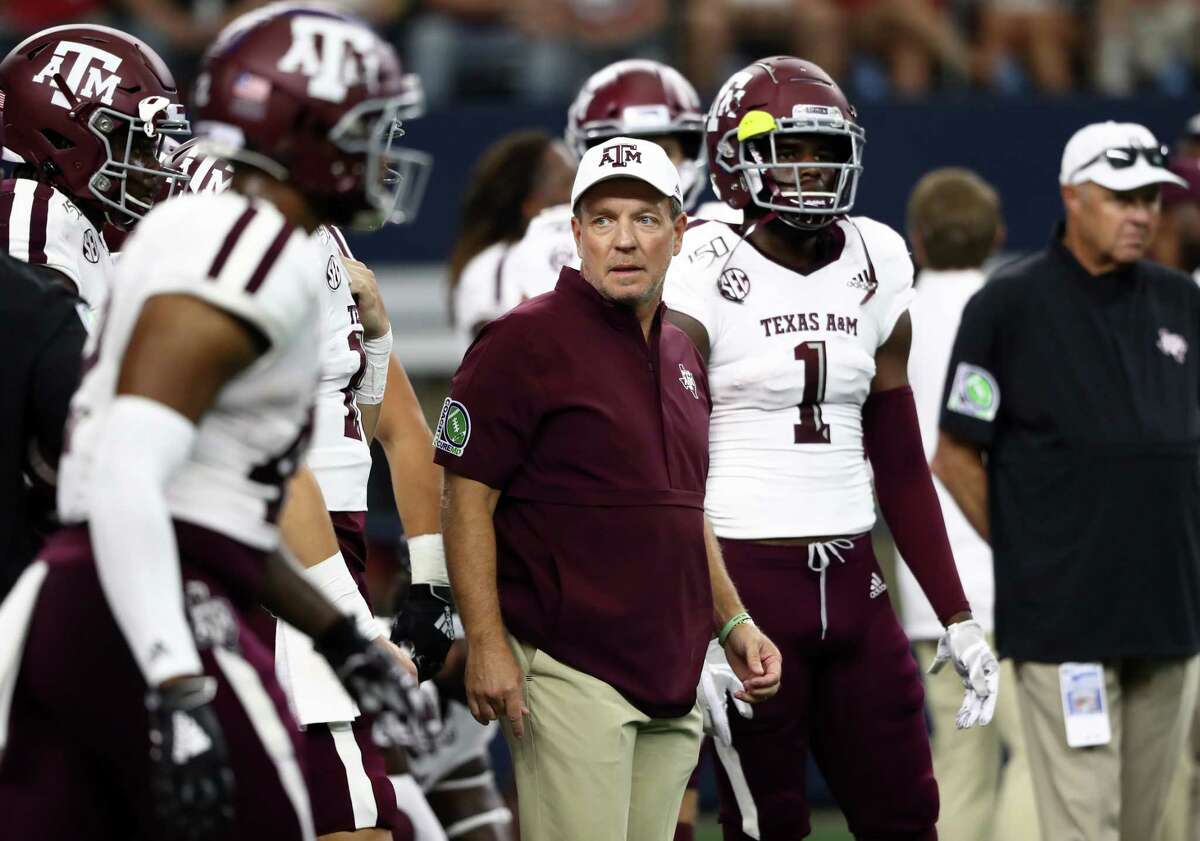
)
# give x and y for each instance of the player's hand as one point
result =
(191, 783)
(382, 688)
(717, 684)
(755, 660)
(426, 624)
(365, 290)
(495, 685)
(965, 645)
(400, 656)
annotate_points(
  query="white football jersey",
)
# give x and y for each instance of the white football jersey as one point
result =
(791, 362)
(532, 265)
(241, 256)
(42, 226)
(340, 456)
(936, 312)
(478, 296)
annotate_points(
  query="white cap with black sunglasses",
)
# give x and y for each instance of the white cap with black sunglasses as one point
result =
(1119, 156)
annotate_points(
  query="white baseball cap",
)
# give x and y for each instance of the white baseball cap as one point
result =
(1119, 156)
(627, 157)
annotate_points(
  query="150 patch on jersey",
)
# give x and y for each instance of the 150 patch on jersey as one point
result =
(453, 429)
(975, 394)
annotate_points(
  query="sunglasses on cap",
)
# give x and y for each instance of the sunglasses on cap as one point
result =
(1123, 157)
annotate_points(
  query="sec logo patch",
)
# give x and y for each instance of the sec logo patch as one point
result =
(734, 285)
(91, 246)
(333, 272)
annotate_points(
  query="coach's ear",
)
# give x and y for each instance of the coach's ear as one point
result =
(680, 225)
(577, 233)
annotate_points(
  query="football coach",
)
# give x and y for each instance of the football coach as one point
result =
(1070, 437)
(575, 444)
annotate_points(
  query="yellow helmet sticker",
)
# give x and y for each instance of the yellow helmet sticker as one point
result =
(755, 123)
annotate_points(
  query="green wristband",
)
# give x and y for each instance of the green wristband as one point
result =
(734, 621)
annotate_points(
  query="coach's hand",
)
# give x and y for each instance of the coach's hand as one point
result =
(191, 783)
(965, 645)
(426, 624)
(755, 660)
(495, 685)
(381, 686)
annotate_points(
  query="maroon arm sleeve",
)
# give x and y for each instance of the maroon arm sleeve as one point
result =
(892, 439)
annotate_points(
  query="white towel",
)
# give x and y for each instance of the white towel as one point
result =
(315, 693)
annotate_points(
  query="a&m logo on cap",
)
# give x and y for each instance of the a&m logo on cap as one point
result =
(620, 155)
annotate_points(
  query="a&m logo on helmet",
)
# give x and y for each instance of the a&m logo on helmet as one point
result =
(346, 58)
(620, 155)
(92, 73)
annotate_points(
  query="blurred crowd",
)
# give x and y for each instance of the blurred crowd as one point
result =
(539, 51)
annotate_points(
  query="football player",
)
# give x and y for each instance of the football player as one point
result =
(324, 519)
(456, 779)
(516, 178)
(86, 110)
(801, 313)
(631, 98)
(195, 410)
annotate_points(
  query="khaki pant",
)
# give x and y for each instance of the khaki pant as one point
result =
(591, 766)
(1182, 821)
(983, 797)
(1113, 792)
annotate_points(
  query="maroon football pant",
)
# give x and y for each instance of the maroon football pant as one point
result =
(853, 699)
(77, 765)
(348, 782)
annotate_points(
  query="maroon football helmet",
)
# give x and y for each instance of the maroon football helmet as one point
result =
(313, 97)
(88, 107)
(641, 98)
(773, 97)
(205, 173)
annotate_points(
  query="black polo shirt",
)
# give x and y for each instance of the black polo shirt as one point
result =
(598, 440)
(41, 341)
(1085, 393)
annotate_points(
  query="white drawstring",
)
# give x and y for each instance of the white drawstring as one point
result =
(819, 560)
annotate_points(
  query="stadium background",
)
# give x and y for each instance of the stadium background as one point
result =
(1003, 114)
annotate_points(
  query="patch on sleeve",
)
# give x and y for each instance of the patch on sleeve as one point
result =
(975, 394)
(453, 429)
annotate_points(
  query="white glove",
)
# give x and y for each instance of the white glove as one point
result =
(965, 645)
(717, 683)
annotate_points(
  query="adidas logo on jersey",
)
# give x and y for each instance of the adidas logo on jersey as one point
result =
(878, 586)
(862, 281)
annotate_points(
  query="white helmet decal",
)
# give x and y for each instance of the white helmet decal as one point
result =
(88, 59)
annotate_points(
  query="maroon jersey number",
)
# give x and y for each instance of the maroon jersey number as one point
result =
(812, 429)
(353, 423)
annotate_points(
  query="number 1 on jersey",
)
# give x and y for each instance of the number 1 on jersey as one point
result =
(812, 429)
